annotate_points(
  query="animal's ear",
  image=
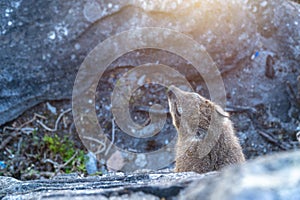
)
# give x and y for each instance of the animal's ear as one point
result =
(221, 111)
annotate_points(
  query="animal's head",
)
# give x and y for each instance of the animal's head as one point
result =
(192, 114)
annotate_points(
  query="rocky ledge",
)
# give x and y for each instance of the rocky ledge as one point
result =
(271, 177)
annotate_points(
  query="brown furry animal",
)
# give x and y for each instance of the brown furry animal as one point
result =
(206, 139)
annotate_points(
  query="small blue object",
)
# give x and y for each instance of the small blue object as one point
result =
(2, 165)
(91, 163)
(256, 54)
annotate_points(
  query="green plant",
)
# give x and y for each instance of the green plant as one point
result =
(73, 159)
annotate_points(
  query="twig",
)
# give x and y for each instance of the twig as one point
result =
(240, 109)
(10, 152)
(98, 141)
(292, 92)
(147, 109)
(19, 145)
(40, 116)
(57, 166)
(271, 138)
(7, 140)
(72, 126)
(68, 161)
(112, 137)
(9, 128)
(56, 123)
(26, 129)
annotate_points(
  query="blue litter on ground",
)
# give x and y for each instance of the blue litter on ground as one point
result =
(2, 165)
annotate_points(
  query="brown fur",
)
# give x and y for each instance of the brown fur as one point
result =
(206, 139)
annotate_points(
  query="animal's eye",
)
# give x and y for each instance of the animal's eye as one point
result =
(201, 133)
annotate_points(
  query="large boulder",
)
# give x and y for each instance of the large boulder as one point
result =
(273, 177)
(44, 43)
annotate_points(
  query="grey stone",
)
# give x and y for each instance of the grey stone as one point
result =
(152, 185)
(43, 44)
(271, 177)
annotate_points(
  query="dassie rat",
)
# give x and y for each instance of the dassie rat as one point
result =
(206, 139)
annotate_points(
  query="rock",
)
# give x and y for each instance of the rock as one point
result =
(91, 163)
(155, 185)
(44, 43)
(271, 177)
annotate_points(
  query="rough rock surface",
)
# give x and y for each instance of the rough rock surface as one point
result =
(44, 43)
(153, 185)
(272, 177)
(255, 45)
